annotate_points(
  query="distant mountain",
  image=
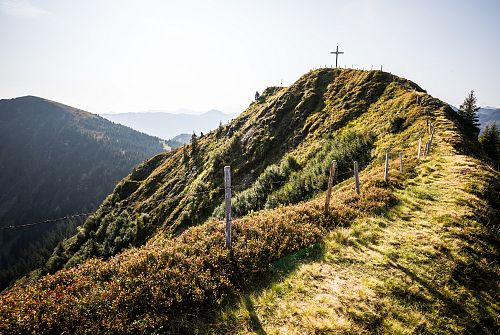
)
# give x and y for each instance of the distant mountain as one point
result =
(488, 115)
(182, 138)
(56, 160)
(167, 125)
(178, 141)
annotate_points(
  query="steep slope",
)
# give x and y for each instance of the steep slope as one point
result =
(283, 137)
(183, 279)
(56, 160)
(167, 125)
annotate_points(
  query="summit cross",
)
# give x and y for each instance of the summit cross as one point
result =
(337, 53)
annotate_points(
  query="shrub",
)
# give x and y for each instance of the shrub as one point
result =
(254, 198)
(145, 289)
(288, 183)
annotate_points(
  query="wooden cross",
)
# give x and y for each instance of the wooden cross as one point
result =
(337, 53)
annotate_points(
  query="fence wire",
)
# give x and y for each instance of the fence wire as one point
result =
(236, 188)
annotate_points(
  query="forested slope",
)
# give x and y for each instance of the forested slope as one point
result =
(56, 160)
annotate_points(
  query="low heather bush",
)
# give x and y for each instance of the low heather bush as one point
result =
(145, 289)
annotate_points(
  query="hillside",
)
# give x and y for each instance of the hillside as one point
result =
(177, 142)
(167, 125)
(281, 137)
(152, 258)
(55, 161)
(428, 265)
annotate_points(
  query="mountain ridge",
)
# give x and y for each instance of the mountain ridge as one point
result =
(257, 138)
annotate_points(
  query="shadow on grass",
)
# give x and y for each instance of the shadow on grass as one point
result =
(254, 322)
(280, 269)
(452, 306)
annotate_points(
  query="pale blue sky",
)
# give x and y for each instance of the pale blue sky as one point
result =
(121, 56)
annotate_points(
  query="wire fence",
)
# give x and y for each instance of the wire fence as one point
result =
(236, 188)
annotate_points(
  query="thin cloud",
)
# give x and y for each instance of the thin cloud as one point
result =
(21, 8)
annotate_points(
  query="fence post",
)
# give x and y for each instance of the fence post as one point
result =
(430, 140)
(401, 162)
(333, 167)
(419, 147)
(227, 187)
(356, 177)
(386, 170)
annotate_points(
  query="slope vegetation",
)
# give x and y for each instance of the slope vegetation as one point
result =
(278, 150)
(429, 265)
(56, 160)
(287, 250)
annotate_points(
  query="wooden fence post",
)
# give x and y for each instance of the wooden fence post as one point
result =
(333, 167)
(356, 177)
(227, 187)
(419, 146)
(401, 162)
(430, 140)
(386, 170)
(426, 149)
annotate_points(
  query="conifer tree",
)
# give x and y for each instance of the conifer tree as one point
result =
(490, 140)
(257, 95)
(185, 156)
(194, 144)
(218, 133)
(468, 112)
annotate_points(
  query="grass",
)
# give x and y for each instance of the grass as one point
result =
(427, 266)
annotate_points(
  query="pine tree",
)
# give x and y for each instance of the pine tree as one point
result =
(194, 144)
(185, 156)
(490, 140)
(218, 133)
(257, 95)
(468, 112)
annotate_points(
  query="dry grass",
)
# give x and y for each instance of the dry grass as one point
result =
(426, 266)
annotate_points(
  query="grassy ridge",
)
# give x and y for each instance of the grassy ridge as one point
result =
(183, 272)
(290, 183)
(156, 199)
(429, 265)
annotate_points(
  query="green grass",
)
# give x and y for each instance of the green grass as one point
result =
(426, 266)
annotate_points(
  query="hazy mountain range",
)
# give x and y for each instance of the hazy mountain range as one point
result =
(166, 125)
(487, 115)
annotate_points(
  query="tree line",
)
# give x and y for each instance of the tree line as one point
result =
(489, 138)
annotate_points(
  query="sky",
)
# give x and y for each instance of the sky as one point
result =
(113, 56)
